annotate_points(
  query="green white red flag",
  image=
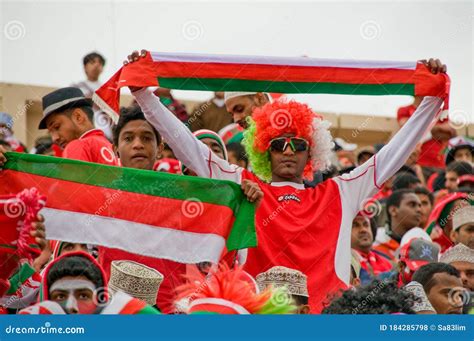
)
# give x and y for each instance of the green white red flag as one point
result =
(186, 71)
(181, 218)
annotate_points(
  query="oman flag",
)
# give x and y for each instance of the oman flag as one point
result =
(295, 75)
(181, 218)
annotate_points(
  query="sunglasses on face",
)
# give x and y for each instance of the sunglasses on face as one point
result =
(296, 144)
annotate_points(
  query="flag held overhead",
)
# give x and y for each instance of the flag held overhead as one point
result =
(186, 71)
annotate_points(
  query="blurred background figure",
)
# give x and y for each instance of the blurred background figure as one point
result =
(175, 106)
(44, 146)
(431, 156)
(6, 133)
(211, 115)
(93, 67)
(237, 155)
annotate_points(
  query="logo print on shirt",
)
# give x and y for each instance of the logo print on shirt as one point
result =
(288, 197)
(107, 154)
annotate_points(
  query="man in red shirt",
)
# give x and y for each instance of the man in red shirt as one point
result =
(306, 229)
(68, 116)
(372, 262)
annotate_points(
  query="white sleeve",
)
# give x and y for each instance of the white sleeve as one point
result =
(364, 181)
(188, 149)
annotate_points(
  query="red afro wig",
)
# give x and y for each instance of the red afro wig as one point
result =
(282, 117)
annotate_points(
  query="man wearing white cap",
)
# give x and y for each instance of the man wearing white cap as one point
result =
(294, 281)
(241, 104)
(463, 227)
(462, 258)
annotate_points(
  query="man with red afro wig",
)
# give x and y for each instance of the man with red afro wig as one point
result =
(306, 229)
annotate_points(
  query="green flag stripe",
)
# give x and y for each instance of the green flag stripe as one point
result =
(219, 192)
(223, 84)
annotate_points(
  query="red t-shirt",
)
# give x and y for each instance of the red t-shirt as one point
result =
(431, 154)
(92, 146)
(374, 263)
(308, 222)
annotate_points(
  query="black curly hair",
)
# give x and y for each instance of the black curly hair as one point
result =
(377, 297)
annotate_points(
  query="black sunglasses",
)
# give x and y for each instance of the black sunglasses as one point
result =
(296, 144)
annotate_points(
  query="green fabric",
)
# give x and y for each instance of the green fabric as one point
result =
(443, 216)
(166, 101)
(149, 310)
(211, 136)
(24, 272)
(243, 232)
(236, 138)
(223, 84)
(218, 192)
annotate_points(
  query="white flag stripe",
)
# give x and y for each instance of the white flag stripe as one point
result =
(143, 239)
(285, 61)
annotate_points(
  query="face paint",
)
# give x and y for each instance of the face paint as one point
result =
(71, 288)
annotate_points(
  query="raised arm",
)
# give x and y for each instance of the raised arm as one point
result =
(188, 149)
(364, 181)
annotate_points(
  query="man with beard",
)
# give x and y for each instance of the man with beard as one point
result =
(241, 105)
(373, 263)
(462, 258)
(463, 227)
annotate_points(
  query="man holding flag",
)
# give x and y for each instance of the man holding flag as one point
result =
(307, 229)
